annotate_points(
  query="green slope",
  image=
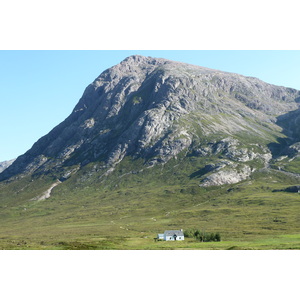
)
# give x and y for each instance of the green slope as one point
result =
(127, 210)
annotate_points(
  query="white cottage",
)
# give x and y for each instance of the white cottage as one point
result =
(160, 236)
(171, 235)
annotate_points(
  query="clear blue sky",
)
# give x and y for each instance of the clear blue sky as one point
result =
(39, 89)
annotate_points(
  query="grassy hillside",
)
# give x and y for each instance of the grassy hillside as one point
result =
(128, 210)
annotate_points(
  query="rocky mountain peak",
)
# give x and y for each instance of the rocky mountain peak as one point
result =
(137, 60)
(132, 66)
(156, 109)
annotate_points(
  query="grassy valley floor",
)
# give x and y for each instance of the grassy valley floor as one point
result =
(94, 242)
(128, 211)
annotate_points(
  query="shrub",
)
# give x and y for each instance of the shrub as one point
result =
(189, 233)
(197, 233)
(211, 237)
(202, 236)
(217, 237)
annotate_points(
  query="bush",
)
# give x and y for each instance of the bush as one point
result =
(189, 233)
(202, 236)
(197, 233)
(217, 237)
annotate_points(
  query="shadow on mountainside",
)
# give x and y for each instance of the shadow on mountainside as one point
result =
(290, 124)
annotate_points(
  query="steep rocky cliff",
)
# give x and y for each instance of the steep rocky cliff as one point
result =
(157, 109)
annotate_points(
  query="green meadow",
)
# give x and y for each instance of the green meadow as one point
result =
(130, 209)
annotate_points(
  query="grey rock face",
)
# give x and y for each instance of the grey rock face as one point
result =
(155, 109)
(227, 176)
(295, 147)
(5, 164)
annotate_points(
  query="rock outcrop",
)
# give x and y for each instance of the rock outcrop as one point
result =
(5, 164)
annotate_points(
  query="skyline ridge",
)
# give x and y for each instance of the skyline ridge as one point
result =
(48, 80)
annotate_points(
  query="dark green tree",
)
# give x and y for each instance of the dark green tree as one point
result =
(212, 237)
(217, 237)
(197, 233)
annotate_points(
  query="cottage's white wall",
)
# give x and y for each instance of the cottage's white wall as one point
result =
(171, 238)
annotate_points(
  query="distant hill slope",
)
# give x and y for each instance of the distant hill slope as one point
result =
(5, 164)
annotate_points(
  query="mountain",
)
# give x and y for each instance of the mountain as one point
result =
(5, 164)
(157, 109)
(153, 145)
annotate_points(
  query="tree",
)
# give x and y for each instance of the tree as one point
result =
(197, 233)
(212, 237)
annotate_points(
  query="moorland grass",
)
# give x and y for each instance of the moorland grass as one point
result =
(131, 208)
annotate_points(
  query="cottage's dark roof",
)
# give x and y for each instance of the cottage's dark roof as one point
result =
(172, 232)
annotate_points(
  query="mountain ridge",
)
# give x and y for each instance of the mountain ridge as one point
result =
(155, 108)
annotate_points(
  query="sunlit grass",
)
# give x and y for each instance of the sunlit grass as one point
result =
(127, 212)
